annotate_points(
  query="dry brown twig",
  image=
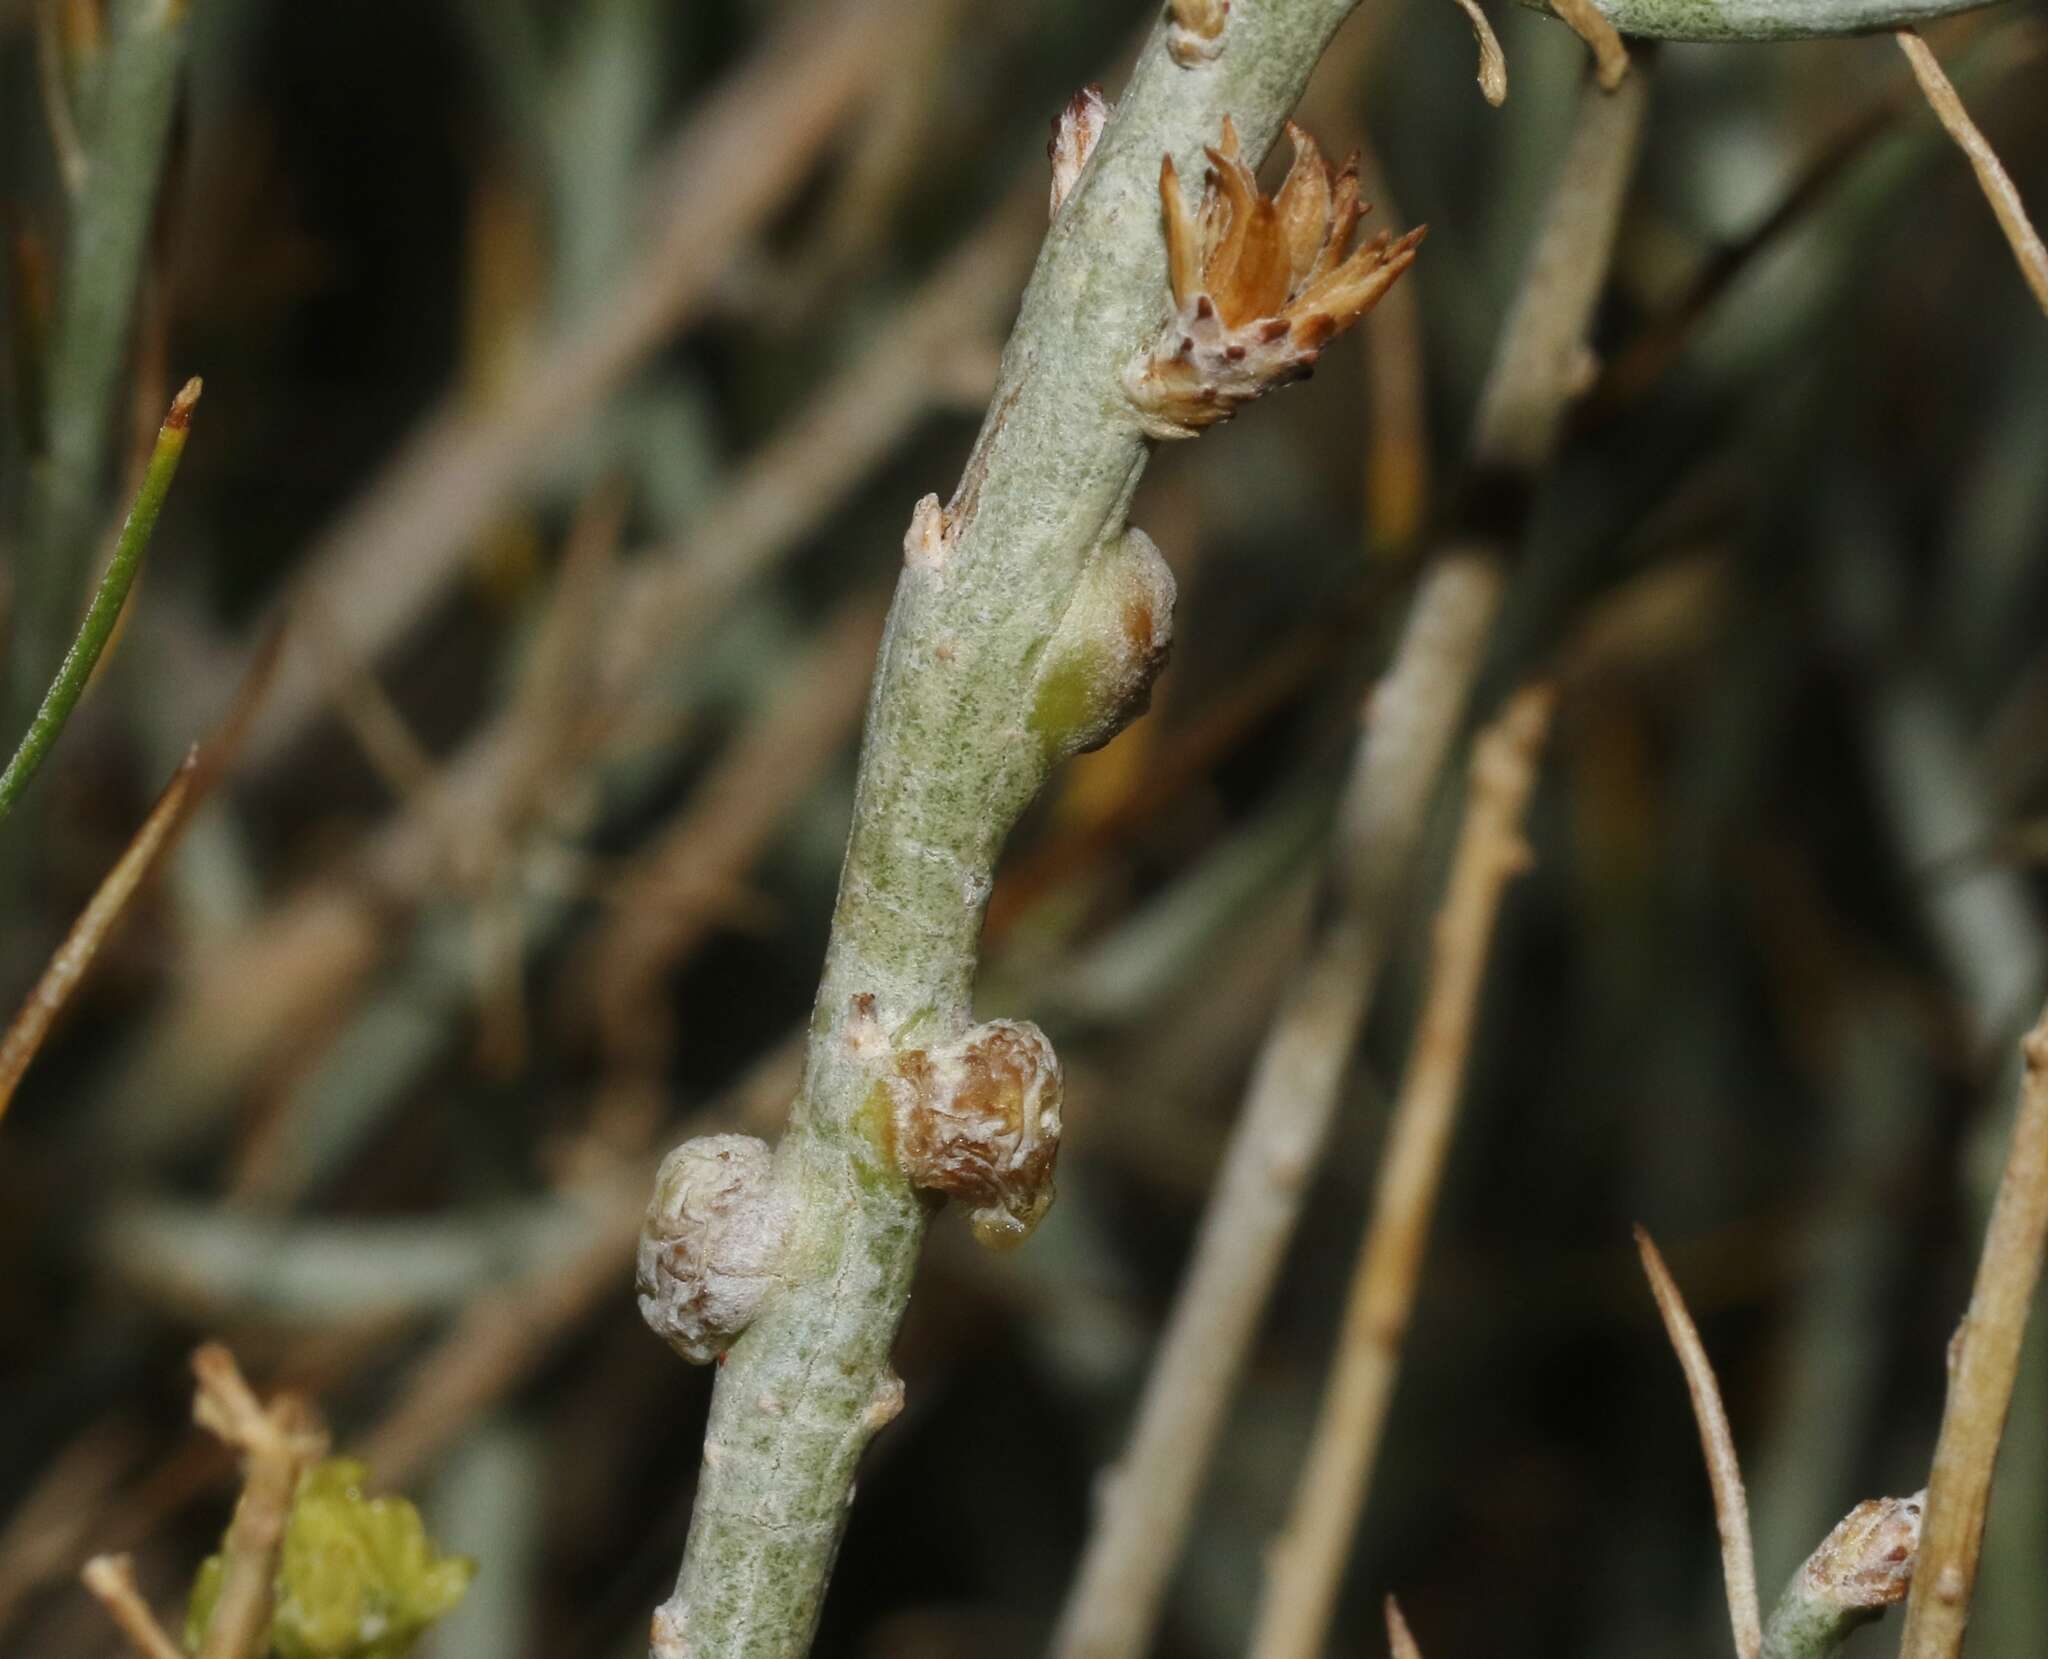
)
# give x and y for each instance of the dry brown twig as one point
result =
(1717, 1443)
(1610, 56)
(1305, 1567)
(1983, 1363)
(1401, 1640)
(111, 1579)
(1493, 63)
(72, 960)
(1997, 184)
(277, 1444)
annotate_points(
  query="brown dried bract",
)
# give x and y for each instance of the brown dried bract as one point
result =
(1074, 133)
(1260, 283)
(1194, 35)
(979, 1120)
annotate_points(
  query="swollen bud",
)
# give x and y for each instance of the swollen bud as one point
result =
(1096, 675)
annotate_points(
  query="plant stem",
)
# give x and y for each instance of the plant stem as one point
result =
(126, 131)
(1415, 713)
(1753, 20)
(951, 756)
(105, 610)
(1305, 1568)
(1984, 1359)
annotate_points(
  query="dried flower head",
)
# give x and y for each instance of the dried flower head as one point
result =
(979, 1120)
(1074, 133)
(711, 1246)
(1260, 283)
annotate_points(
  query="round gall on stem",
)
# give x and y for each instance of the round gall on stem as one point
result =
(711, 1245)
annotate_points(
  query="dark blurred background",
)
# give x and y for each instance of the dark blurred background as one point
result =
(498, 902)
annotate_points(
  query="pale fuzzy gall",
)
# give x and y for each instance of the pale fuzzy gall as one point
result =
(712, 1244)
(1074, 133)
(1260, 283)
(979, 1120)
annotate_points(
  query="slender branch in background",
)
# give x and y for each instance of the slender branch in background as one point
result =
(753, 141)
(125, 132)
(1397, 460)
(53, 82)
(111, 1579)
(1999, 189)
(1983, 1361)
(67, 968)
(190, 784)
(232, 1006)
(1717, 1444)
(1735, 20)
(105, 611)
(1146, 1502)
(1305, 1567)
(1864, 1566)
(1028, 624)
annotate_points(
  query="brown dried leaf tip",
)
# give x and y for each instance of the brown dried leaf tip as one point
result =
(711, 1247)
(1260, 283)
(979, 1120)
(1074, 133)
(1194, 33)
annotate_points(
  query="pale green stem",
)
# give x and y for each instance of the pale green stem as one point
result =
(951, 756)
(1740, 20)
(98, 627)
(125, 134)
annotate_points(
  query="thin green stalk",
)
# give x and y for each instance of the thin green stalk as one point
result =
(98, 627)
(1752, 20)
(125, 131)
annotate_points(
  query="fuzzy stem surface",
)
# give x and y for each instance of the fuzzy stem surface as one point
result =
(954, 749)
(1758, 20)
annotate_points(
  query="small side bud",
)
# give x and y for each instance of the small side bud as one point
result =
(1194, 34)
(1074, 132)
(1096, 675)
(711, 1246)
(1861, 1568)
(979, 1120)
(924, 543)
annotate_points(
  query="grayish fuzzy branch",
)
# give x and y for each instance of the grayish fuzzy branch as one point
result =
(1026, 621)
(1753, 20)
